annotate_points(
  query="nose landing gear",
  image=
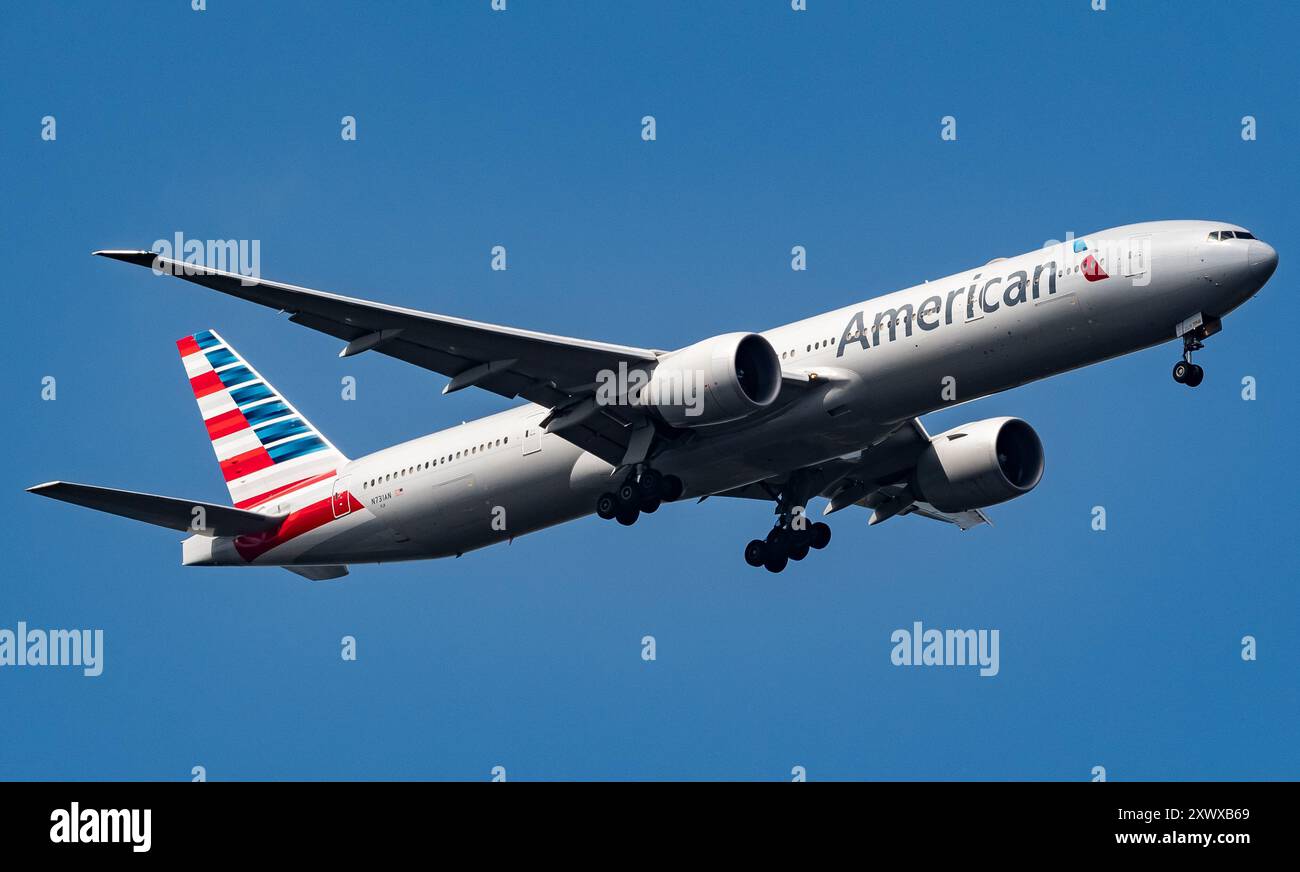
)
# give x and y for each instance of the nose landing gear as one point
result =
(1186, 372)
(1194, 331)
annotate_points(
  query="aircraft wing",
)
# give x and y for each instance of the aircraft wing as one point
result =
(876, 478)
(553, 371)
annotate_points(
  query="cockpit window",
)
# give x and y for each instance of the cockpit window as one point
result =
(1241, 234)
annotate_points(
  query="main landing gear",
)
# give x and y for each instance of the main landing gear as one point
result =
(787, 542)
(793, 536)
(638, 493)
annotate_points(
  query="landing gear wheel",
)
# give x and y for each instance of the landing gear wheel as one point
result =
(629, 494)
(607, 506)
(650, 506)
(775, 562)
(1182, 369)
(627, 516)
(793, 536)
(651, 484)
(1195, 377)
(671, 489)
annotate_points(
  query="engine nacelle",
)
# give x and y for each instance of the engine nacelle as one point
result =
(715, 381)
(980, 464)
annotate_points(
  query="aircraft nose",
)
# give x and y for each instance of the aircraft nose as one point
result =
(1262, 260)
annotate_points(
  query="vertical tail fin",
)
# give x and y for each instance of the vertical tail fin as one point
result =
(269, 453)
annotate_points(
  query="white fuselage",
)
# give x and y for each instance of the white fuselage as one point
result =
(953, 339)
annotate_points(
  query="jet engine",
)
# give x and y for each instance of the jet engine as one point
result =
(715, 381)
(980, 464)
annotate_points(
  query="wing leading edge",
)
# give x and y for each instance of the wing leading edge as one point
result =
(557, 372)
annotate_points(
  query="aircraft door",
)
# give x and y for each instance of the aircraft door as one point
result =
(1137, 257)
(341, 501)
(532, 440)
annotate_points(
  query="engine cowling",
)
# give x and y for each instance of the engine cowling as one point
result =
(715, 381)
(980, 464)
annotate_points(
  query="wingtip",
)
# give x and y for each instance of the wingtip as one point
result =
(43, 486)
(125, 254)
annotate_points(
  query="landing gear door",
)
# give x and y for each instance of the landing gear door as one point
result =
(341, 501)
(1137, 259)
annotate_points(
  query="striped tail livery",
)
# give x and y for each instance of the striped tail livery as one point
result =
(271, 457)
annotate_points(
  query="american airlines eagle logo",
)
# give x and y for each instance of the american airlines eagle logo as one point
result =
(1092, 270)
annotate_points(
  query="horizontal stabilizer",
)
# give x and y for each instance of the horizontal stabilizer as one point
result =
(319, 573)
(188, 516)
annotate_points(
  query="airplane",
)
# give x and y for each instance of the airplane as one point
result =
(825, 407)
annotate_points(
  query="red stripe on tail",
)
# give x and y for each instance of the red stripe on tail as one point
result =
(225, 424)
(243, 464)
(206, 383)
(280, 491)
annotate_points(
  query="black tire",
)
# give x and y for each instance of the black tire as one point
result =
(607, 506)
(799, 552)
(671, 488)
(1195, 377)
(627, 517)
(650, 506)
(651, 485)
(776, 562)
(1181, 370)
(628, 494)
(821, 535)
(777, 536)
(756, 552)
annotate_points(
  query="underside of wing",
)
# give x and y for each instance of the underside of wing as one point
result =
(877, 478)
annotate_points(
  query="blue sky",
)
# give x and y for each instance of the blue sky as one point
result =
(775, 128)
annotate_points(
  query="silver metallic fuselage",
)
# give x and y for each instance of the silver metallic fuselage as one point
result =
(981, 340)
